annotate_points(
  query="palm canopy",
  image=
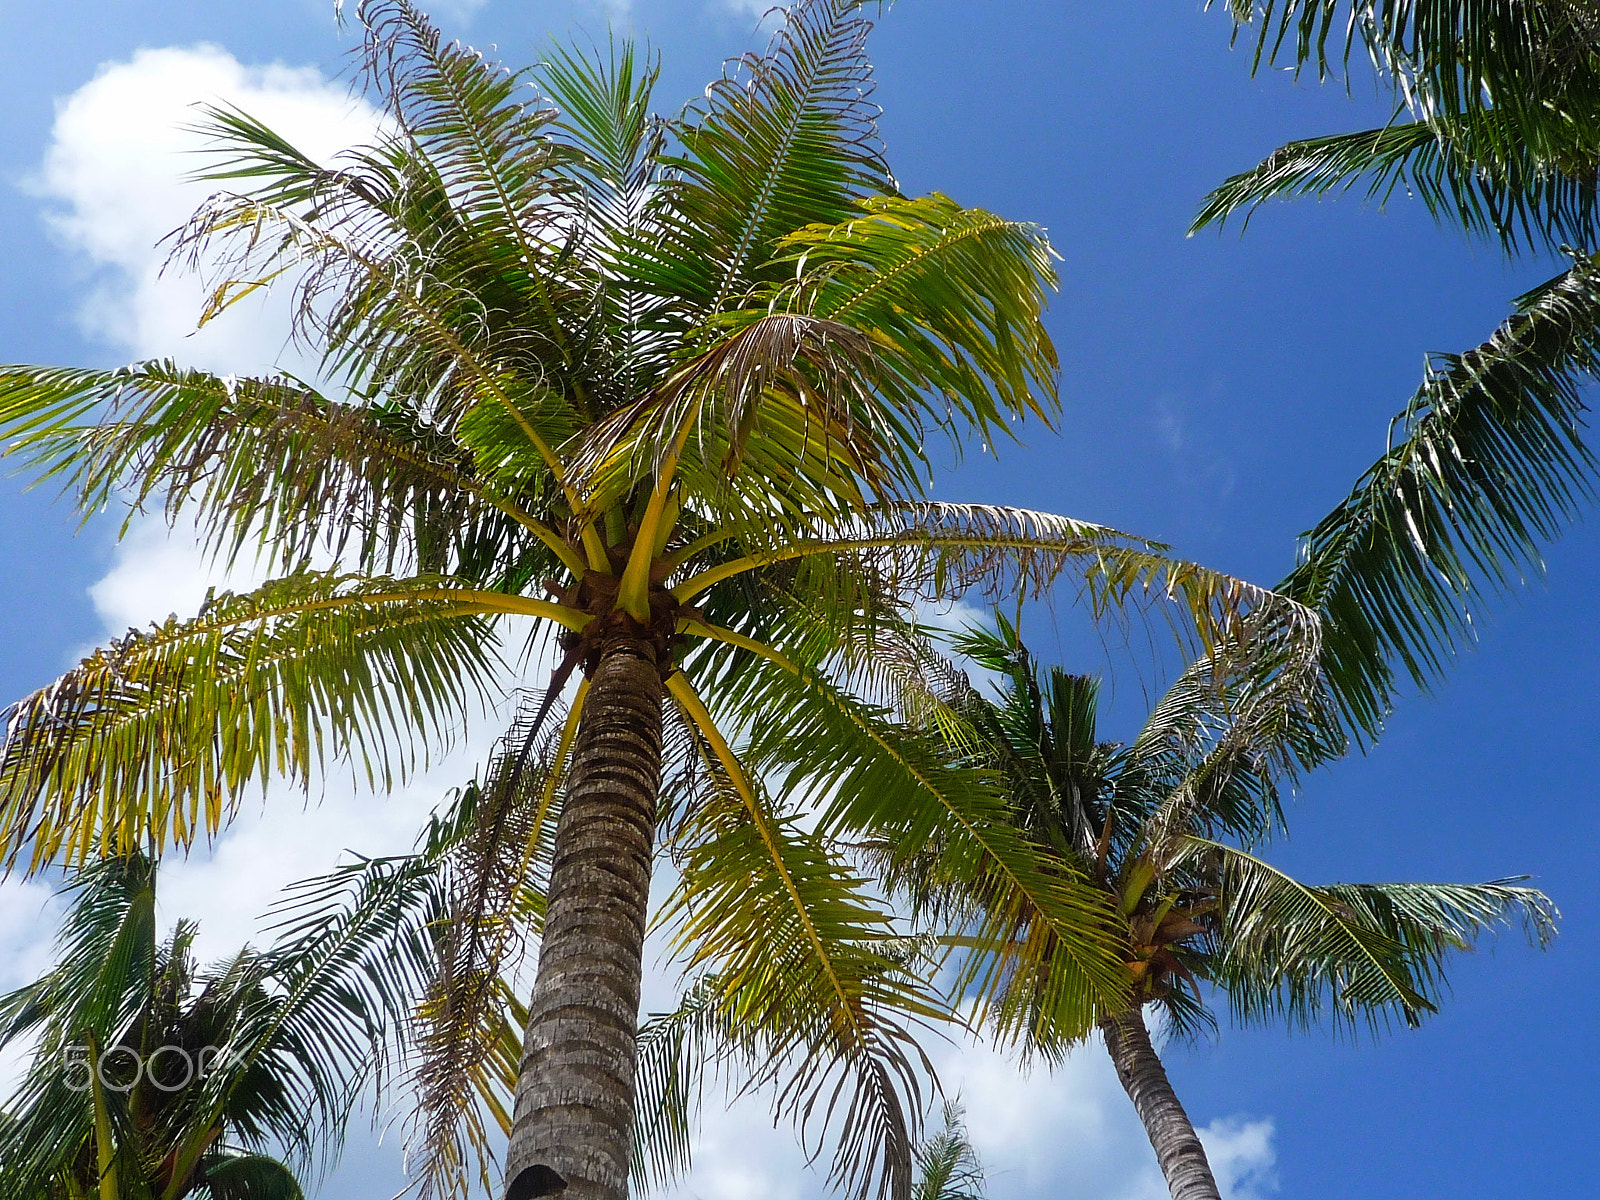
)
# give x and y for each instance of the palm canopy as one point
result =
(1496, 130)
(1165, 825)
(619, 377)
(154, 1079)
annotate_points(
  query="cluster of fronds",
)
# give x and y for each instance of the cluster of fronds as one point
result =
(584, 367)
(1496, 129)
(268, 1050)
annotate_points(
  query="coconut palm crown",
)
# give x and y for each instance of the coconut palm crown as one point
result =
(152, 1078)
(1165, 826)
(657, 390)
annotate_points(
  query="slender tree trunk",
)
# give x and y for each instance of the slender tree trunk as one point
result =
(1177, 1146)
(572, 1128)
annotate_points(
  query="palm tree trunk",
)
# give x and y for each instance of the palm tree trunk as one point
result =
(1177, 1146)
(572, 1128)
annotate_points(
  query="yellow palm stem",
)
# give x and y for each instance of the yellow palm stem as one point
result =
(633, 594)
(104, 1148)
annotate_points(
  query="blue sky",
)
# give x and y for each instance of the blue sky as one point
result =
(1221, 393)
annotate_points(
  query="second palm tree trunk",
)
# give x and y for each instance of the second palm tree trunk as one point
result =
(1178, 1150)
(572, 1128)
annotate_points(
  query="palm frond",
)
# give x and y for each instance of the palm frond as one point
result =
(248, 1177)
(1222, 741)
(1487, 460)
(801, 959)
(1456, 55)
(933, 550)
(156, 739)
(603, 113)
(106, 940)
(350, 957)
(494, 880)
(603, 118)
(389, 317)
(265, 462)
(678, 1051)
(1351, 954)
(782, 141)
(951, 297)
(777, 416)
(1478, 172)
(893, 788)
(459, 111)
(947, 1163)
(107, 960)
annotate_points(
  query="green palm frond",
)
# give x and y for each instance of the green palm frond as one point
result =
(389, 317)
(401, 291)
(432, 936)
(461, 114)
(947, 1164)
(782, 141)
(936, 549)
(107, 956)
(891, 786)
(603, 113)
(493, 891)
(952, 298)
(778, 413)
(248, 1177)
(1454, 55)
(107, 938)
(1487, 460)
(267, 463)
(266, 1048)
(1349, 954)
(803, 969)
(1477, 172)
(297, 1052)
(604, 118)
(156, 739)
(678, 1051)
(1223, 740)
(1041, 737)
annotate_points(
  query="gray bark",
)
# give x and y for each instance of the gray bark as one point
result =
(1178, 1150)
(573, 1120)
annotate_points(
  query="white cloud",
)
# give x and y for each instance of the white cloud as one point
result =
(154, 566)
(765, 13)
(115, 183)
(1241, 1156)
(26, 907)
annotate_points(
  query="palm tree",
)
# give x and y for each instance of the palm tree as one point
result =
(660, 389)
(1163, 827)
(152, 1079)
(1496, 129)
